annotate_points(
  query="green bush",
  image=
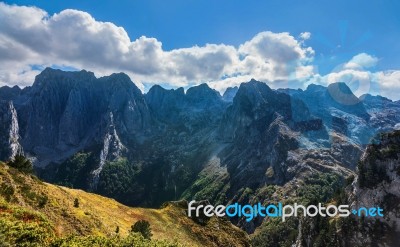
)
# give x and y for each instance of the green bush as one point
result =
(42, 200)
(76, 203)
(21, 163)
(7, 191)
(274, 232)
(142, 227)
(20, 227)
(34, 199)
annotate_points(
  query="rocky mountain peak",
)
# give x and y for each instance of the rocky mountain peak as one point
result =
(315, 88)
(343, 87)
(164, 104)
(50, 76)
(369, 97)
(230, 93)
(255, 104)
(342, 94)
(254, 90)
(9, 93)
(203, 93)
(119, 81)
(340, 110)
(157, 95)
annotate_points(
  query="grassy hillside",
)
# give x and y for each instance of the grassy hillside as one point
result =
(32, 211)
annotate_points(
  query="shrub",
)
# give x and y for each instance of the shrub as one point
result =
(7, 191)
(142, 227)
(76, 203)
(21, 163)
(42, 200)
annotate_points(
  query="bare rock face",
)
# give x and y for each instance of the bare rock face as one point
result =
(257, 126)
(9, 131)
(66, 111)
(378, 184)
(166, 105)
(230, 93)
(340, 110)
(270, 137)
(200, 105)
(9, 93)
(112, 149)
(385, 113)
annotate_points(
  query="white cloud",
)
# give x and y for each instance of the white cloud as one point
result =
(358, 81)
(30, 37)
(362, 60)
(277, 47)
(389, 83)
(356, 75)
(352, 73)
(276, 58)
(305, 35)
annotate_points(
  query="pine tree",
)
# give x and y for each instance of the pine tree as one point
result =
(21, 163)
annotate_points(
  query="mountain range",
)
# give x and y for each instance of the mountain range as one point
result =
(251, 144)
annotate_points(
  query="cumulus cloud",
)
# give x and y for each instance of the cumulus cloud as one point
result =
(275, 53)
(356, 74)
(389, 83)
(359, 81)
(30, 37)
(362, 60)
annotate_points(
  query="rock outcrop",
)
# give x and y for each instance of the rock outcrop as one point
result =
(230, 93)
(9, 131)
(69, 111)
(378, 184)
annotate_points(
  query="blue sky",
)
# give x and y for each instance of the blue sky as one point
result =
(339, 30)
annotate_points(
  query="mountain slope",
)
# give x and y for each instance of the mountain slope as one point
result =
(340, 110)
(53, 208)
(378, 183)
(270, 138)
